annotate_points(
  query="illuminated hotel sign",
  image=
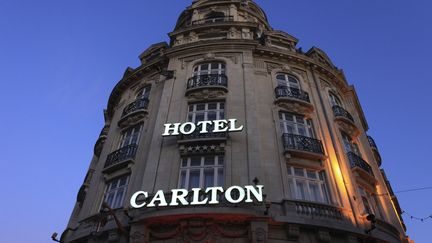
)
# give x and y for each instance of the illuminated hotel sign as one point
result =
(215, 126)
(182, 197)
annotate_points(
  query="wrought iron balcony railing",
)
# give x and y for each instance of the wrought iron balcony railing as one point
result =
(289, 92)
(341, 112)
(298, 142)
(139, 104)
(123, 154)
(357, 161)
(207, 80)
(213, 20)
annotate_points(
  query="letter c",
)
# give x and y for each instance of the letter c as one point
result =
(134, 198)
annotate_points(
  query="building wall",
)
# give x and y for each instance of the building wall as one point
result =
(253, 54)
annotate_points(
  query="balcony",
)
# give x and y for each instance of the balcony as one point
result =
(345, 120)
(375, 150)
(207, 86)
(303, 146)
(134, 112)
(293, 99)
(319, 210)
(362, 167)
(213, 20)
(120, 158)
(101, 140)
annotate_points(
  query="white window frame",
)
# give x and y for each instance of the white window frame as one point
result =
(334, 100)
(200, 70)
(116, 190)
(192, 111)
(320, 181)
(288, 80)
(186, 168)
(297, 122)
(127, 136)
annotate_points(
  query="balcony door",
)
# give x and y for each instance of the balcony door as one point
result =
(296, 124)
(349, 145)
(130, 136)
(334, 100)
(144, 93)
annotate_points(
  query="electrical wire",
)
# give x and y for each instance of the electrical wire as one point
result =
(418, 218)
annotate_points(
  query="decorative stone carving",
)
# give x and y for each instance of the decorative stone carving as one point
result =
(295, 106)
(347, 126)
(199, 149)
(132, 118)
(207, 94)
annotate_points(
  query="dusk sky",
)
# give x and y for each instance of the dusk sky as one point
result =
(59, 61)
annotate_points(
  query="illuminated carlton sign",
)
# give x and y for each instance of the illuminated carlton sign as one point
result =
(215, 126)
(234, 194)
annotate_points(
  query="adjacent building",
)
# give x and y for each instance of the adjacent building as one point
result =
(304, 139)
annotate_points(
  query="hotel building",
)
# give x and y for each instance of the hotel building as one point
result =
(304, 139)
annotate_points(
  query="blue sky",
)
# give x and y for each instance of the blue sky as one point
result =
(59, 61)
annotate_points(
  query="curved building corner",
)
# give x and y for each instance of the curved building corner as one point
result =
(274, 116)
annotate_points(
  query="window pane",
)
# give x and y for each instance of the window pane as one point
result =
(298, 172)
(200, 107)
(194, 178)
(209, 177)
(311, 174)
(212, 106)
(220, 160)
(211, 116)
(301, 190)
(315, 192)
(184, 162)
(209, 160)
(204, 67)
(221, 178)
(280, 77)
(291, 188)
(221, 106)
(195, 161)
(183, 179)
(119, 199)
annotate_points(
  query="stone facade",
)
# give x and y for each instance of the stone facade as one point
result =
(304, 139)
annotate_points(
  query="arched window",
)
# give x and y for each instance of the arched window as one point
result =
(209, 68)
(334, 100)
(287, 80)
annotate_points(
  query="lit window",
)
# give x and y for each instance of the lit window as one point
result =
(296, 124)
(116, 191)
(206, 112)
(307, 184)
(370, 203)
(201, 172)
(130, 136)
